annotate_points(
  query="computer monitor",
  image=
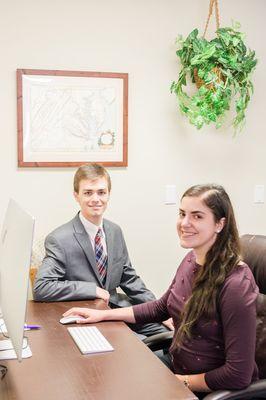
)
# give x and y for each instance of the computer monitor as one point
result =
(15, 254)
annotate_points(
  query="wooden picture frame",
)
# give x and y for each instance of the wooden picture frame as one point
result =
(70, 118)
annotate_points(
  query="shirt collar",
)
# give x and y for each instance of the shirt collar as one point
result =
(90, 228)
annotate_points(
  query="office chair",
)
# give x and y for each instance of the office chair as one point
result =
(254, 254)
(33, 272)
(37, 256)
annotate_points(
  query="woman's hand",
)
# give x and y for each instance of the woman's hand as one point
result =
(91, 316)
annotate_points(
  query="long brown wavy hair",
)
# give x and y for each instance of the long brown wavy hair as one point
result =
(220, 260)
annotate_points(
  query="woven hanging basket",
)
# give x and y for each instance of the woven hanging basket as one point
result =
(200, 82)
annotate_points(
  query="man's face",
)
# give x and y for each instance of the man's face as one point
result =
(93, 198)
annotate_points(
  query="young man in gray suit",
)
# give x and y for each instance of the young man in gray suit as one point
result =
(87, 258)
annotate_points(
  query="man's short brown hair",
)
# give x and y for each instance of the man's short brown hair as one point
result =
(91, 171)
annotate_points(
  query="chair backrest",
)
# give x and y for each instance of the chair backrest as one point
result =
(254, 254)
(33, 272)
(37, 256)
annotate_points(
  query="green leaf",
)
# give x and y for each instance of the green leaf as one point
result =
(225, 37)
(203, 90)
(199, 121)
(201, 73)
(236, 25)
(179, 40)
(205, 55)
(235, 41)
(193, 35)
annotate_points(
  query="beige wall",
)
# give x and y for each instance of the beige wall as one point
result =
(135, 37)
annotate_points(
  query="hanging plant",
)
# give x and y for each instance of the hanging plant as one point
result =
(221, 69)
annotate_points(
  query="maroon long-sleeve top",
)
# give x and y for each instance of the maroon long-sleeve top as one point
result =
(224, 347)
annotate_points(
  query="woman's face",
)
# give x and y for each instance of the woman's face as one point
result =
(196, 226)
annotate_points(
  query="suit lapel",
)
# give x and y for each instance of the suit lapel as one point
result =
(85, 243)
(110, 246)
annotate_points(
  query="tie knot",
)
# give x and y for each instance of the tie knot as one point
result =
(99, 233)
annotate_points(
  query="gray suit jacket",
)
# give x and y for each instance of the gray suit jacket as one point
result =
(69, 271)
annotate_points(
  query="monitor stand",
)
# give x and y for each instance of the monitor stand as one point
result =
(8, 353)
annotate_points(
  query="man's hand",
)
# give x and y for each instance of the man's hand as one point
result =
(169, 324)
(102, 294)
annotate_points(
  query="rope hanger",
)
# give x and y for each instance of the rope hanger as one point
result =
(213, 4)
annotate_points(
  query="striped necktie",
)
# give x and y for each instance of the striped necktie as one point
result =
(101, 257)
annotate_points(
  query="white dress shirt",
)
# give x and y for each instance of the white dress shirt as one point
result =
(92, 230)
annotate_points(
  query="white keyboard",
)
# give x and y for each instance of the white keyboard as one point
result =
(89, 339)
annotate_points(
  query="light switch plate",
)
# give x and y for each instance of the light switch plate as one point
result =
(170, 194)
(259, 194)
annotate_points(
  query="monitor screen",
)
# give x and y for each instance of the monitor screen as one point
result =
(15, 254)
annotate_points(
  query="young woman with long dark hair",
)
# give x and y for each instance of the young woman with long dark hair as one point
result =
(212, 298)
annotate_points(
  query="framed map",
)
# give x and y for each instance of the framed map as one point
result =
(69, 118)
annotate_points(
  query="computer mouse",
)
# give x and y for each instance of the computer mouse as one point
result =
(72, 319)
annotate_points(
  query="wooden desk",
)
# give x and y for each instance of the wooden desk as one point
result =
(58, 371)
